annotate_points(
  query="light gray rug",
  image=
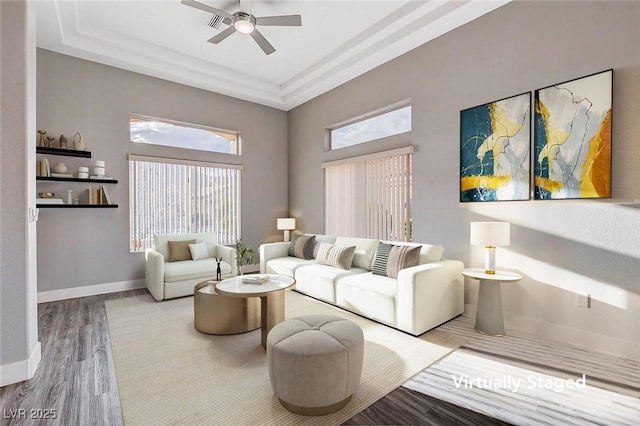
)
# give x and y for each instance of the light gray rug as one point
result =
(525, 380)
(169, 373)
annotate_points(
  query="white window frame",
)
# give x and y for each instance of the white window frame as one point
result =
(141, 234)
(329, 143)
(366, 205)
(187, 125)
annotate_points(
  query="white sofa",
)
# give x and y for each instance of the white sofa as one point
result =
(421, 298)
(167, 280)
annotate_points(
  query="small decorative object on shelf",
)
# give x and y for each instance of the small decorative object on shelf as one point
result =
(78, 142)
(50, 140)
(63, 142)
(41, 140)
(69, 196)
(83, 172)
(98, 168)
(60, 168)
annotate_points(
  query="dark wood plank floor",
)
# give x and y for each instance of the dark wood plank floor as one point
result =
(407, 407)
(76, 383)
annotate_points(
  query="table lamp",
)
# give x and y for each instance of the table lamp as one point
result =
(490, 235)
(286, 224)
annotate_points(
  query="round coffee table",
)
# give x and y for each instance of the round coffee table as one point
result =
(214, 313)
(270, 292)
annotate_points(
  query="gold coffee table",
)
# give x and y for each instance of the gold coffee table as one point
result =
(218, 314)
(271, 294)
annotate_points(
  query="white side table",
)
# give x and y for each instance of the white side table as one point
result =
(489, 318)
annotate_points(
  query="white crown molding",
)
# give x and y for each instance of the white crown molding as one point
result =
(413, 24)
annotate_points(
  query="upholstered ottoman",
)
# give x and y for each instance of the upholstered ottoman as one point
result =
(315, 362)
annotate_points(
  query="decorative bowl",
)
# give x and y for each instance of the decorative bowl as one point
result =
(46, 194)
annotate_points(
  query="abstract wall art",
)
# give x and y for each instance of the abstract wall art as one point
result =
(495, 146)
(572, 143)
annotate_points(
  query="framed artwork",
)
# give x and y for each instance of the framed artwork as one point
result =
(572, 143)
(495, 147)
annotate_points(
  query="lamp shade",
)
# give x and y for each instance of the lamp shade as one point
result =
(490, 233)
(286, 223)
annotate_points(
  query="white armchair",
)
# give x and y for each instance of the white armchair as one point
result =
(167, 280)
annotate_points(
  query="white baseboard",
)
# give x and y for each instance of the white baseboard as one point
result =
(91, 290)
(573, 336)
(21, 370)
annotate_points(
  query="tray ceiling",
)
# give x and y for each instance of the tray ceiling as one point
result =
(338, 40)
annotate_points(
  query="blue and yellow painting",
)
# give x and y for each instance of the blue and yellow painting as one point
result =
(573, 139)
(495, 146)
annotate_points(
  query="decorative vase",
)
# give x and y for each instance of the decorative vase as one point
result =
(49, 142)
(78, 142)
(42, 141)
(63, 142)
(60, 168)
(69, 196)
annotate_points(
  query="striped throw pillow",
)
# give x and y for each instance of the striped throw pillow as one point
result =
(302, 246)
(333, 255)
(390, 259)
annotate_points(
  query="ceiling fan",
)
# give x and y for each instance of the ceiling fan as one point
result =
(245, 22)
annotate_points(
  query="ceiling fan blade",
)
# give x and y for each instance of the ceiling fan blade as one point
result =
(222, 35)
(280, 21)
(262, 42)
(207, 8)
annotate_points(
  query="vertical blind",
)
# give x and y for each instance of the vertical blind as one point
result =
(169, 196)
(370, 196)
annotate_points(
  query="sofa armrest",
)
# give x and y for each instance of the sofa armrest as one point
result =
(272, 251)
(228, 254)
(428, 295)
(154, 273)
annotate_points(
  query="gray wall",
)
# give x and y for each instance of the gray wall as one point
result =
(561, 247)
(19, 347)
(79, 247)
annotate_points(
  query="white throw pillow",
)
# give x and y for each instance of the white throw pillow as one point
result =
(198, 251)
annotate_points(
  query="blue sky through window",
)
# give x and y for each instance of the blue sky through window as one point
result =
(157, 132)
(378, 127)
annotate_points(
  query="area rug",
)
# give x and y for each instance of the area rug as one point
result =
(169, 373)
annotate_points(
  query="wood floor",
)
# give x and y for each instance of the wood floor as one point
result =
(76, 383)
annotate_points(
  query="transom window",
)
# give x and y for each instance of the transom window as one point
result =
(389, 123)
(168, 196)
(155, 131)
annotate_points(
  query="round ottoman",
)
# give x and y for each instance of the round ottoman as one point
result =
(315, 362)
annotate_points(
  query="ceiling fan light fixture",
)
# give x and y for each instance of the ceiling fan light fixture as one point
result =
(244, 23)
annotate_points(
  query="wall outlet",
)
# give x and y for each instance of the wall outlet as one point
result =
(583, 301)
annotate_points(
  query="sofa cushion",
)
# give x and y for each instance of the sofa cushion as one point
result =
(319, 280)
(198, 251)
(365, 250)
(285, 265)
(161, 242)
(179, 250)
(192, 269)
(373, 296)
(392, 258)
(428, 253)
(320, 238)
(302, 246)
(335, 255)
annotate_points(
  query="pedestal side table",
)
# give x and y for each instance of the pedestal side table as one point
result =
(489, 318)
(271, 294)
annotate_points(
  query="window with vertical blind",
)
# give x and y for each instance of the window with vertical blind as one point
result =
(370, 196)
(169, 196)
